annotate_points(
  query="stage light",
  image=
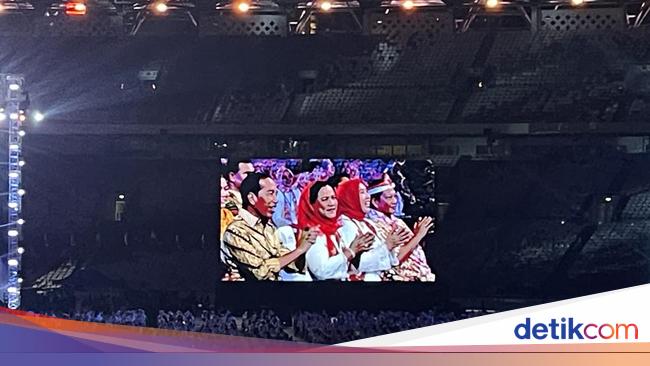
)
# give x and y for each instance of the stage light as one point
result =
(326, 6)
(22, 118)
(121, 196)
(562, 222)
(20, 280)
(161, 7)
(21, 192)
(3, 116)
(38, 116)
(577, 2)
(22, 133)
(14, 87)
(12, 290)
(408, 4)
(13, 147)
(608, 199)
(12, 262)
(75, 8)
(12, 205)
(491, 3)
(20, 250)
(243, 7)
(13, 175)
(21, 163)
(20, 221)
(12, 233)
(13, 116)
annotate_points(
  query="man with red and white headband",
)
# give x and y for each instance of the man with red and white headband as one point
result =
(412, 260)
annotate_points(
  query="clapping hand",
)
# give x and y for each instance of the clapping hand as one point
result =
(362, 242)
(422, 227)
(308, 238)
(397, 237)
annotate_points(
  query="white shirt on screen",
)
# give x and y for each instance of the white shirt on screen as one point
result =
(322, 265)
(375, 260)
(288, 239)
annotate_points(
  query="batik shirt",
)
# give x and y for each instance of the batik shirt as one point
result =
(231, 274)
(414, 267)
(254, 248)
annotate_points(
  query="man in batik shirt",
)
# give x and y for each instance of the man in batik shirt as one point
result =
(412, 260)
(251, 239)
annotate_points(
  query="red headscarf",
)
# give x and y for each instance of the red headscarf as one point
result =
(308, 216)
(349, 201)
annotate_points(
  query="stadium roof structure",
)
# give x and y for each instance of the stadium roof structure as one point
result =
(242, 17)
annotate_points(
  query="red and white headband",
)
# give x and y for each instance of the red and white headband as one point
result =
(386, 185)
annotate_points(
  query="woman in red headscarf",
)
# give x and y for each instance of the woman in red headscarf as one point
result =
(327, 259)
(354, 204)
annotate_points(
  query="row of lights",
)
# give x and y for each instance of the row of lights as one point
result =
(16, 117)
(245, 6)
(77, 7)
(36, 116)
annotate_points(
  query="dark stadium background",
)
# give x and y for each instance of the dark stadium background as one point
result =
(536, 123)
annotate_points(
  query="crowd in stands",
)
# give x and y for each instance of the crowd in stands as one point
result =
(264, 324)
(205, 322)
(351, 325)
(311, 327)
(135, 317)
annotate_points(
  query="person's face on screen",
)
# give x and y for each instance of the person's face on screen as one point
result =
(244, 169)
(327, 202)
(267, 198)
(288, 178)
(224, 190)
(364, 198)
(387, 202)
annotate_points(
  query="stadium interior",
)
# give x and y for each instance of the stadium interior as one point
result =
(533, 112)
